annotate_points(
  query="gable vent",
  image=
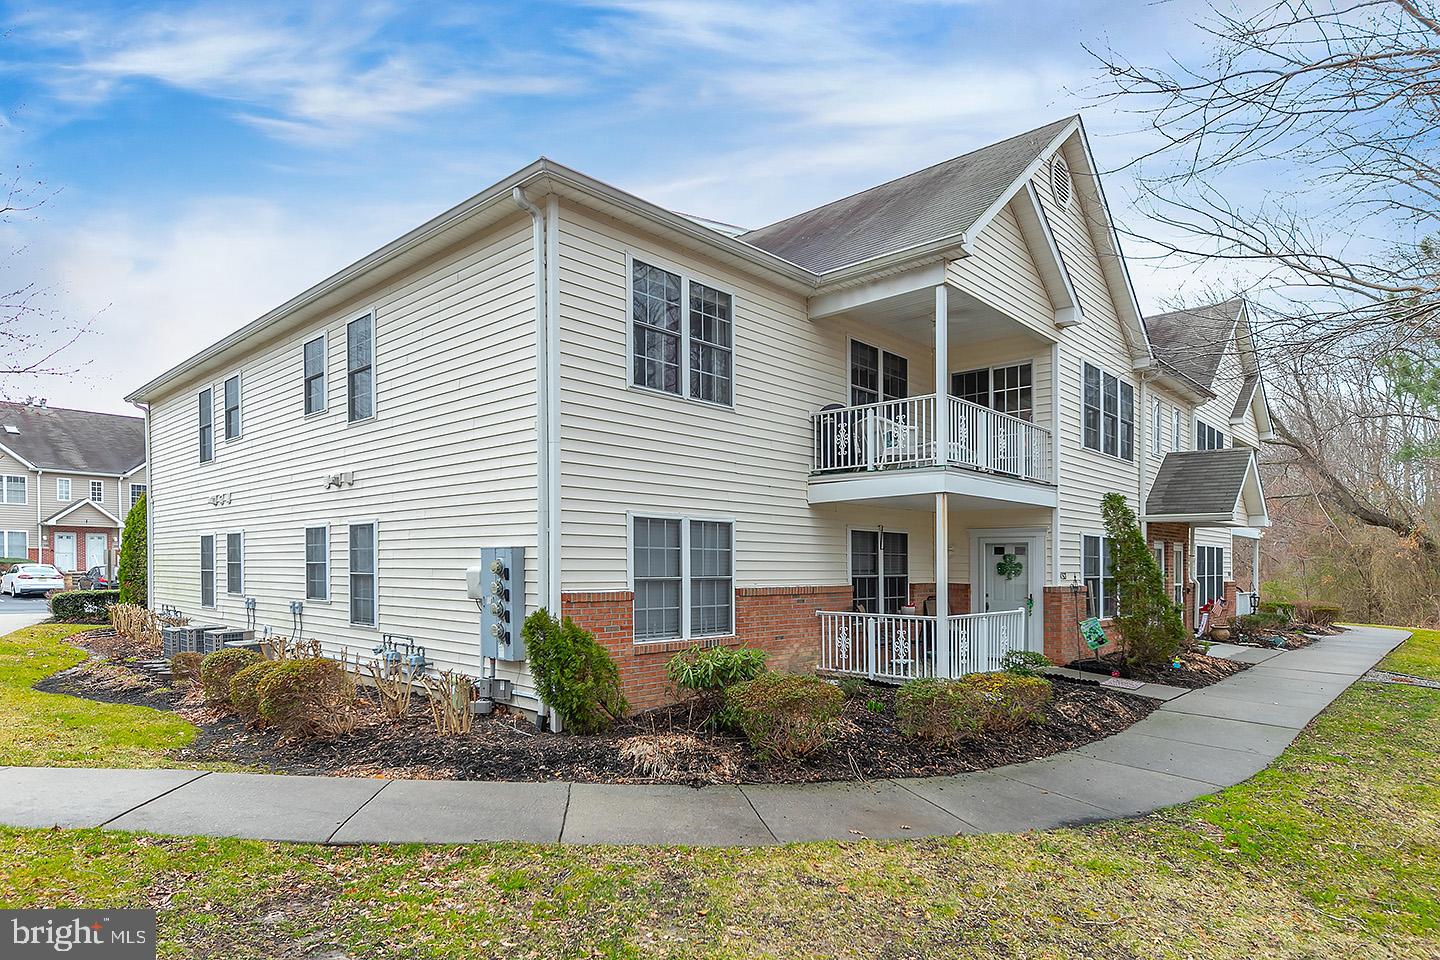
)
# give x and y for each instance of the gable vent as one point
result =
(1060, 186)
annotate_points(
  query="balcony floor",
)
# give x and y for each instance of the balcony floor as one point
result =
(900, 483)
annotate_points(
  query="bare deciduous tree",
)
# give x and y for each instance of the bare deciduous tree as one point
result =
(33, 334)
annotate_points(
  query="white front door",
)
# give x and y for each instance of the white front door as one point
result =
(65, 552)
(1008, 577)
(96, 548)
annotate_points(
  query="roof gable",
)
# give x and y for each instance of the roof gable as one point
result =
(1193, 342)
(944, 200)
(1208, 487)
(82, 441)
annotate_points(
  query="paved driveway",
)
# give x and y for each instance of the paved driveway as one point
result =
(18, 612)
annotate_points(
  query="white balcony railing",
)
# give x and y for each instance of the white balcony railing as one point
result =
(901, 433)
(897, 647)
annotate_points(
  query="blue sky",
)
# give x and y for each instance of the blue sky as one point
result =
(214, 159)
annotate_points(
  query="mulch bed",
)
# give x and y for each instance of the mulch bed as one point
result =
(666, 745)
(1197, 669)
(1291, 639)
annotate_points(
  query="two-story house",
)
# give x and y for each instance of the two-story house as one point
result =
(69, 478)
(786, 437)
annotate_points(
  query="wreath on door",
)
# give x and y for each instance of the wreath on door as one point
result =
(1009, 567)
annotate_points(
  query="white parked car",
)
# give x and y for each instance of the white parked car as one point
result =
(32, 578)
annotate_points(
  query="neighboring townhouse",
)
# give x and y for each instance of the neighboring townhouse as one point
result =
(70, 477)
(694, 434)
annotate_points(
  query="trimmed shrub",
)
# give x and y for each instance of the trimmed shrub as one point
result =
(131, 569)
(185, 667)
(1010, 701)
(244, 689)
(1277, 608)
(574, 675)
(852, 687)
(219, 668)
(785, 715)
(704, 674)
(1148, 620)
(1025, 663)
(1319, 614)
(1260, 624)
(941, 710)
(83, 606)
(308, 698)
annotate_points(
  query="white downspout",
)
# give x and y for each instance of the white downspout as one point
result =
(149, 516)
(1055, 462)
(552, 385)
(39, 530)
(1144, 454)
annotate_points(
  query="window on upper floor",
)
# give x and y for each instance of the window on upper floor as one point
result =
(62, 489)
(137, 490)
(877, 375)
(97, 491)
(1109, 413)
(207, 425)
(1177, 429)
(1101, 599)
(1157, 426)
(683, 574)
(1207, 437)
(314, 376)
(1009, 389)
(682, 335)
(360, 368)
(232, 408)
(16, 490)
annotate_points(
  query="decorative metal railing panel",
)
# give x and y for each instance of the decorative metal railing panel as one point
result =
(897, 647)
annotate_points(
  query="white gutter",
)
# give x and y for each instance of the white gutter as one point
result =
(149, 515)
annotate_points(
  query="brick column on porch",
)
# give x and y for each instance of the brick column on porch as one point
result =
(959, 594)
(1064, 609)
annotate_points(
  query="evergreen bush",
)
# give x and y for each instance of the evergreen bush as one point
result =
(785, 715)
(131, 571)
(574, 675)
(1149, 622)
(308, 698)
(83, 606)
(219, 668)
(1010, 701)
(941, 710)
(705, 674)
(244, 689)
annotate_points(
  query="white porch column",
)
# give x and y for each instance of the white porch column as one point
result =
(1255, 569)
(942, 375)
(942, 585)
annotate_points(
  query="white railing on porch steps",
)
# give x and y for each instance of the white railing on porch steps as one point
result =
(898, 647)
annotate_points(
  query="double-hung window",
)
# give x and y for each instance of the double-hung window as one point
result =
(235, 563)
(207, 425)
(137, 490)
(363, 582)
(1109, 413)
(1009, 389)
(62, 489)
(1179, 582)
(97, 491)
(317, 563)
(16, 489)
(682, 335)
(16, 544)
(684, 578)
(1177, 429)
(360, 368)
(877, 375)
(207, 570)
(1157, 427)
(1207, 437)
(1209, 574)
(232, 408)
(880, 570)
(314, 376)
(1099, 574)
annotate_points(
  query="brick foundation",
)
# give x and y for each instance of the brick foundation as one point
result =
(779, 620)
(1064, 609)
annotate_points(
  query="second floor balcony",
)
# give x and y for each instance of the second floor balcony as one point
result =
(903, 434)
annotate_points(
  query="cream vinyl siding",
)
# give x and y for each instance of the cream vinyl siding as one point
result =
(632, 450)
(447, 466)
(1001, 272)
(80, 492)
(1228, 380)
(18, 516)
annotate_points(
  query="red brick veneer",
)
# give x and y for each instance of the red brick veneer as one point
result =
(1064, 609)
(779, 620)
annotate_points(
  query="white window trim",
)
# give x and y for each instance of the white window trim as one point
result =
(5, 489)
(880, 383)
(239, 405)
(1100, 600)
(1157, 425)
(130, 489)
(686, 276)
(1135, 399)
(225, 538)
(374, 316)
(90, 497)
(200, 570)
(1202, 422)
(329, 563)
(323, 335)
(1034, 384)
(1177, 424)
(1178, 555)
(881, 531)
(375, 576)
(210, 389)
(685, 520)
(68, 495)
(5, 543)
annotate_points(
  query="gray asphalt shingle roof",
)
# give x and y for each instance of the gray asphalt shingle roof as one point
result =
(1191, 342)
(940, 201)
(54, 438)
(1198, 482)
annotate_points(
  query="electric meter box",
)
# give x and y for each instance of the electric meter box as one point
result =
(498, 586)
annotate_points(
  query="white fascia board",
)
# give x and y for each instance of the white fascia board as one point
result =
(54, 518)
(909, 483)
(23, 462)
(1193, 519)
(1035, 228)
(1021, 181)
(882, 288)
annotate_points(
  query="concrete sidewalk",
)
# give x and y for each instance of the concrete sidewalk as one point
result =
(1191, 745)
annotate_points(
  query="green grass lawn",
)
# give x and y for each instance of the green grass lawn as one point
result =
(1334, 851)
(53, 730)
